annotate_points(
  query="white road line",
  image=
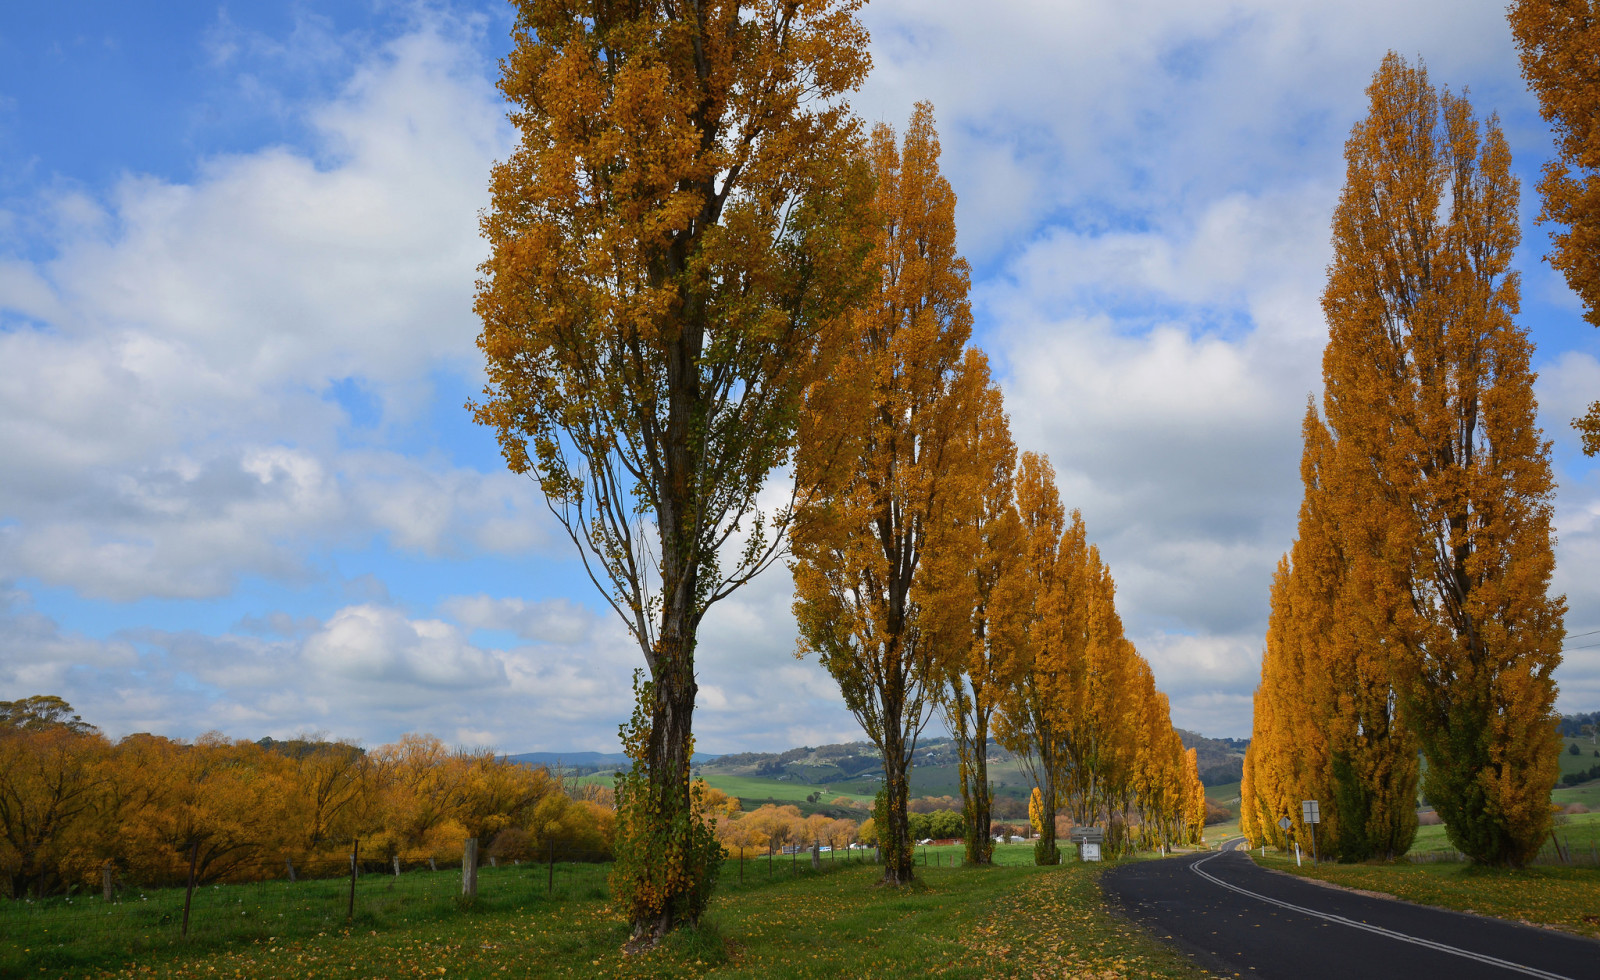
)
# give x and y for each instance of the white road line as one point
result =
(1379, 930)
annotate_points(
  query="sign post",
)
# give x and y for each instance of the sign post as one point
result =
(1284, 823)
(1310, 815)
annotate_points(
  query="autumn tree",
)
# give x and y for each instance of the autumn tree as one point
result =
(42, 712)
(878, 440)
(1194, 798)
(1428, 391)
(1559, 42)
(679, 226)
(1030, 721)
(52, 789)
(970, 555)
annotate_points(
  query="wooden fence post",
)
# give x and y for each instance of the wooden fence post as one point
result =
(355, 859)
(188, 895)
(469, 868)
(816, 856)
(289, 863)
(432, 866)
(105, 880)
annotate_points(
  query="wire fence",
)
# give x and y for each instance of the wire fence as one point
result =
(80, 927)
(87, 930)
(1554, 853)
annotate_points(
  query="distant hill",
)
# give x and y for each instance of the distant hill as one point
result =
(582, 763)
(1220, 760)
(824, 764)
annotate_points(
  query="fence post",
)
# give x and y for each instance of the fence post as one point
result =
(105, 880)
(469, 868)
(355, 858)
(397, 865)
(432, 866)
(494, 862)
(188, 895)
(550, 888)
(816, 856)
(289, 863)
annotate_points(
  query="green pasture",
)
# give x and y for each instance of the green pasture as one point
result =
(755, 790)
(1586, 793)
(1578, 831)
(1584, 760)
(1224, 794)
(1012, 920)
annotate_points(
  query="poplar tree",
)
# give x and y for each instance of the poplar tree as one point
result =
(1429, 394)
(680, 224)
(971, 556)
(879, 440)
(1032, 712)
(1369, 757)
(1327, 725)
(1559, 44)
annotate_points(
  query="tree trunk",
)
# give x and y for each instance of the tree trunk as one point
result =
(1045, 850)
(667, 753)
(895, 836)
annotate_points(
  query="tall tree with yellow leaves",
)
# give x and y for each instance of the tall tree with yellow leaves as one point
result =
(1429, 394)
(1327, 723)
(1194, 798)
(879, 441)
(1559, 41)
(971, 553)
(1367, 759)
(1031, 715)
(682, 222)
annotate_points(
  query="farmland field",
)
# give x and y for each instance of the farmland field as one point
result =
(1011, 920)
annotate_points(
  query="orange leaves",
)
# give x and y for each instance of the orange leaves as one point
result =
(1417, 598)
(880, 441)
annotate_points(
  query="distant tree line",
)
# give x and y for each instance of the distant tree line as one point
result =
(72, 803)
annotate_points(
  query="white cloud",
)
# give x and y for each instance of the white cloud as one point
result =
(1145, 189)
(163, 412)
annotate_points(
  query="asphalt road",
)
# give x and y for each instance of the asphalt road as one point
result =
(1241, 920)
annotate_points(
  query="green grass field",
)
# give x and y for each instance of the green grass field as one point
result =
(1010, 920)
(1584, 760)
(1224, 794)
(1586, 793)
(1578, 831)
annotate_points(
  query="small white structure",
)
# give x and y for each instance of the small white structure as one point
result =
(1088, 840)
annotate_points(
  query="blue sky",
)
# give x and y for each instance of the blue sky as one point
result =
(237, 245)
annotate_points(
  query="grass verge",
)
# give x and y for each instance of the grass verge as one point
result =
(1006, 921)
(1551, 896)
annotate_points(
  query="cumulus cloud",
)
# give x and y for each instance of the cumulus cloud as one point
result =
(1145, 190)
(166, 411)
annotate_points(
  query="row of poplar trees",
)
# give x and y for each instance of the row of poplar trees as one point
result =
(937, 573)
(705, 281)
(1412, 635)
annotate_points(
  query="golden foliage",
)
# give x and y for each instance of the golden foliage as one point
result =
(241, 811)
(1559, 44)
(1420, 578)
(878, 440)
(672, 243)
